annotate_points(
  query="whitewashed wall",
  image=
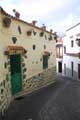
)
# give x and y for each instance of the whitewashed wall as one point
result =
(75, 49)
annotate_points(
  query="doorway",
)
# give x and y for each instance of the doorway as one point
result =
(78, 71)
(45, 61)
(16, 75)
(60, 67)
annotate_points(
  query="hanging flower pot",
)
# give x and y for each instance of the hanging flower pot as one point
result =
(24, 52)
(6, 52)
(55, 36)
(14, 39)
(6, 21)
(41, 34)
(29, 33)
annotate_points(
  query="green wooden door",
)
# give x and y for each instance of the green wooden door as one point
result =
(16, 76)
(45, 61)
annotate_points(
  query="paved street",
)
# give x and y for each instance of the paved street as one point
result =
(60, 101)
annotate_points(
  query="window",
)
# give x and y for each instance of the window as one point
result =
(19, 30)
(71, 36)
(45, 61)
(34, 47)
(64, 49)
(60, 67)
(14, 39)
(45, 37)
(5, 65)
(44, 46)
(72, 68)
(72, 43)
(78, 42)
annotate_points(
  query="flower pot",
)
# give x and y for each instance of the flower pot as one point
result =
(41, 34)
(29, 33)
(6, 21)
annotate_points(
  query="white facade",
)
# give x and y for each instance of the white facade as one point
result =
(71, 53)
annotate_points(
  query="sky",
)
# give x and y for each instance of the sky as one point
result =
(58, 15)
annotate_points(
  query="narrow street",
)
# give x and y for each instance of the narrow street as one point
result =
(59, 101)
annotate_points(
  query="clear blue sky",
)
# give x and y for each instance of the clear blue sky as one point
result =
(56, 14)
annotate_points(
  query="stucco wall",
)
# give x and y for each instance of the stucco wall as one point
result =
(71, 34)
(36, 77)
(27, 42)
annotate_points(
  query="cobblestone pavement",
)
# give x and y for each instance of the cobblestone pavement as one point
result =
(59, 101)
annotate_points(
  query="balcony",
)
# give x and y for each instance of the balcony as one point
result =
(59, 56)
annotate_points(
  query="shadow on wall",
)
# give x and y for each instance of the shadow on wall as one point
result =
(69, 74)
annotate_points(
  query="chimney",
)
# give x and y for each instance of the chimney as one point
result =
(51, 30)
(34, 22)
(44, 27)
(17, 14)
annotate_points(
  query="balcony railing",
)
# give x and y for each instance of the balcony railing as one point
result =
(59, 56)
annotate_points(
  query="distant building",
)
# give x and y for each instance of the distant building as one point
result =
(59, 55)
(27, 58)
(71, 53)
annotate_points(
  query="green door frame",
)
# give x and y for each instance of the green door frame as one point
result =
(16, 74)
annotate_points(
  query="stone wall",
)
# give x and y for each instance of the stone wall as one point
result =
(36, 82)
(5, 94)
(43, 79)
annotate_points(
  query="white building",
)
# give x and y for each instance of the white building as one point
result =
(71, 53)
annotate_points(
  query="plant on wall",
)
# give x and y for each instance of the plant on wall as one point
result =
(6, 21)
(24, 53)
(41, 34)
(14, 39)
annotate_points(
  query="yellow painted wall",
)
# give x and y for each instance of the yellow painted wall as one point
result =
(32, 62)
(27, 42)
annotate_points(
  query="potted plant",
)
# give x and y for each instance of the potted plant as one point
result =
(6, 21)
(29, 33)
(14, 39)
(41, 34)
